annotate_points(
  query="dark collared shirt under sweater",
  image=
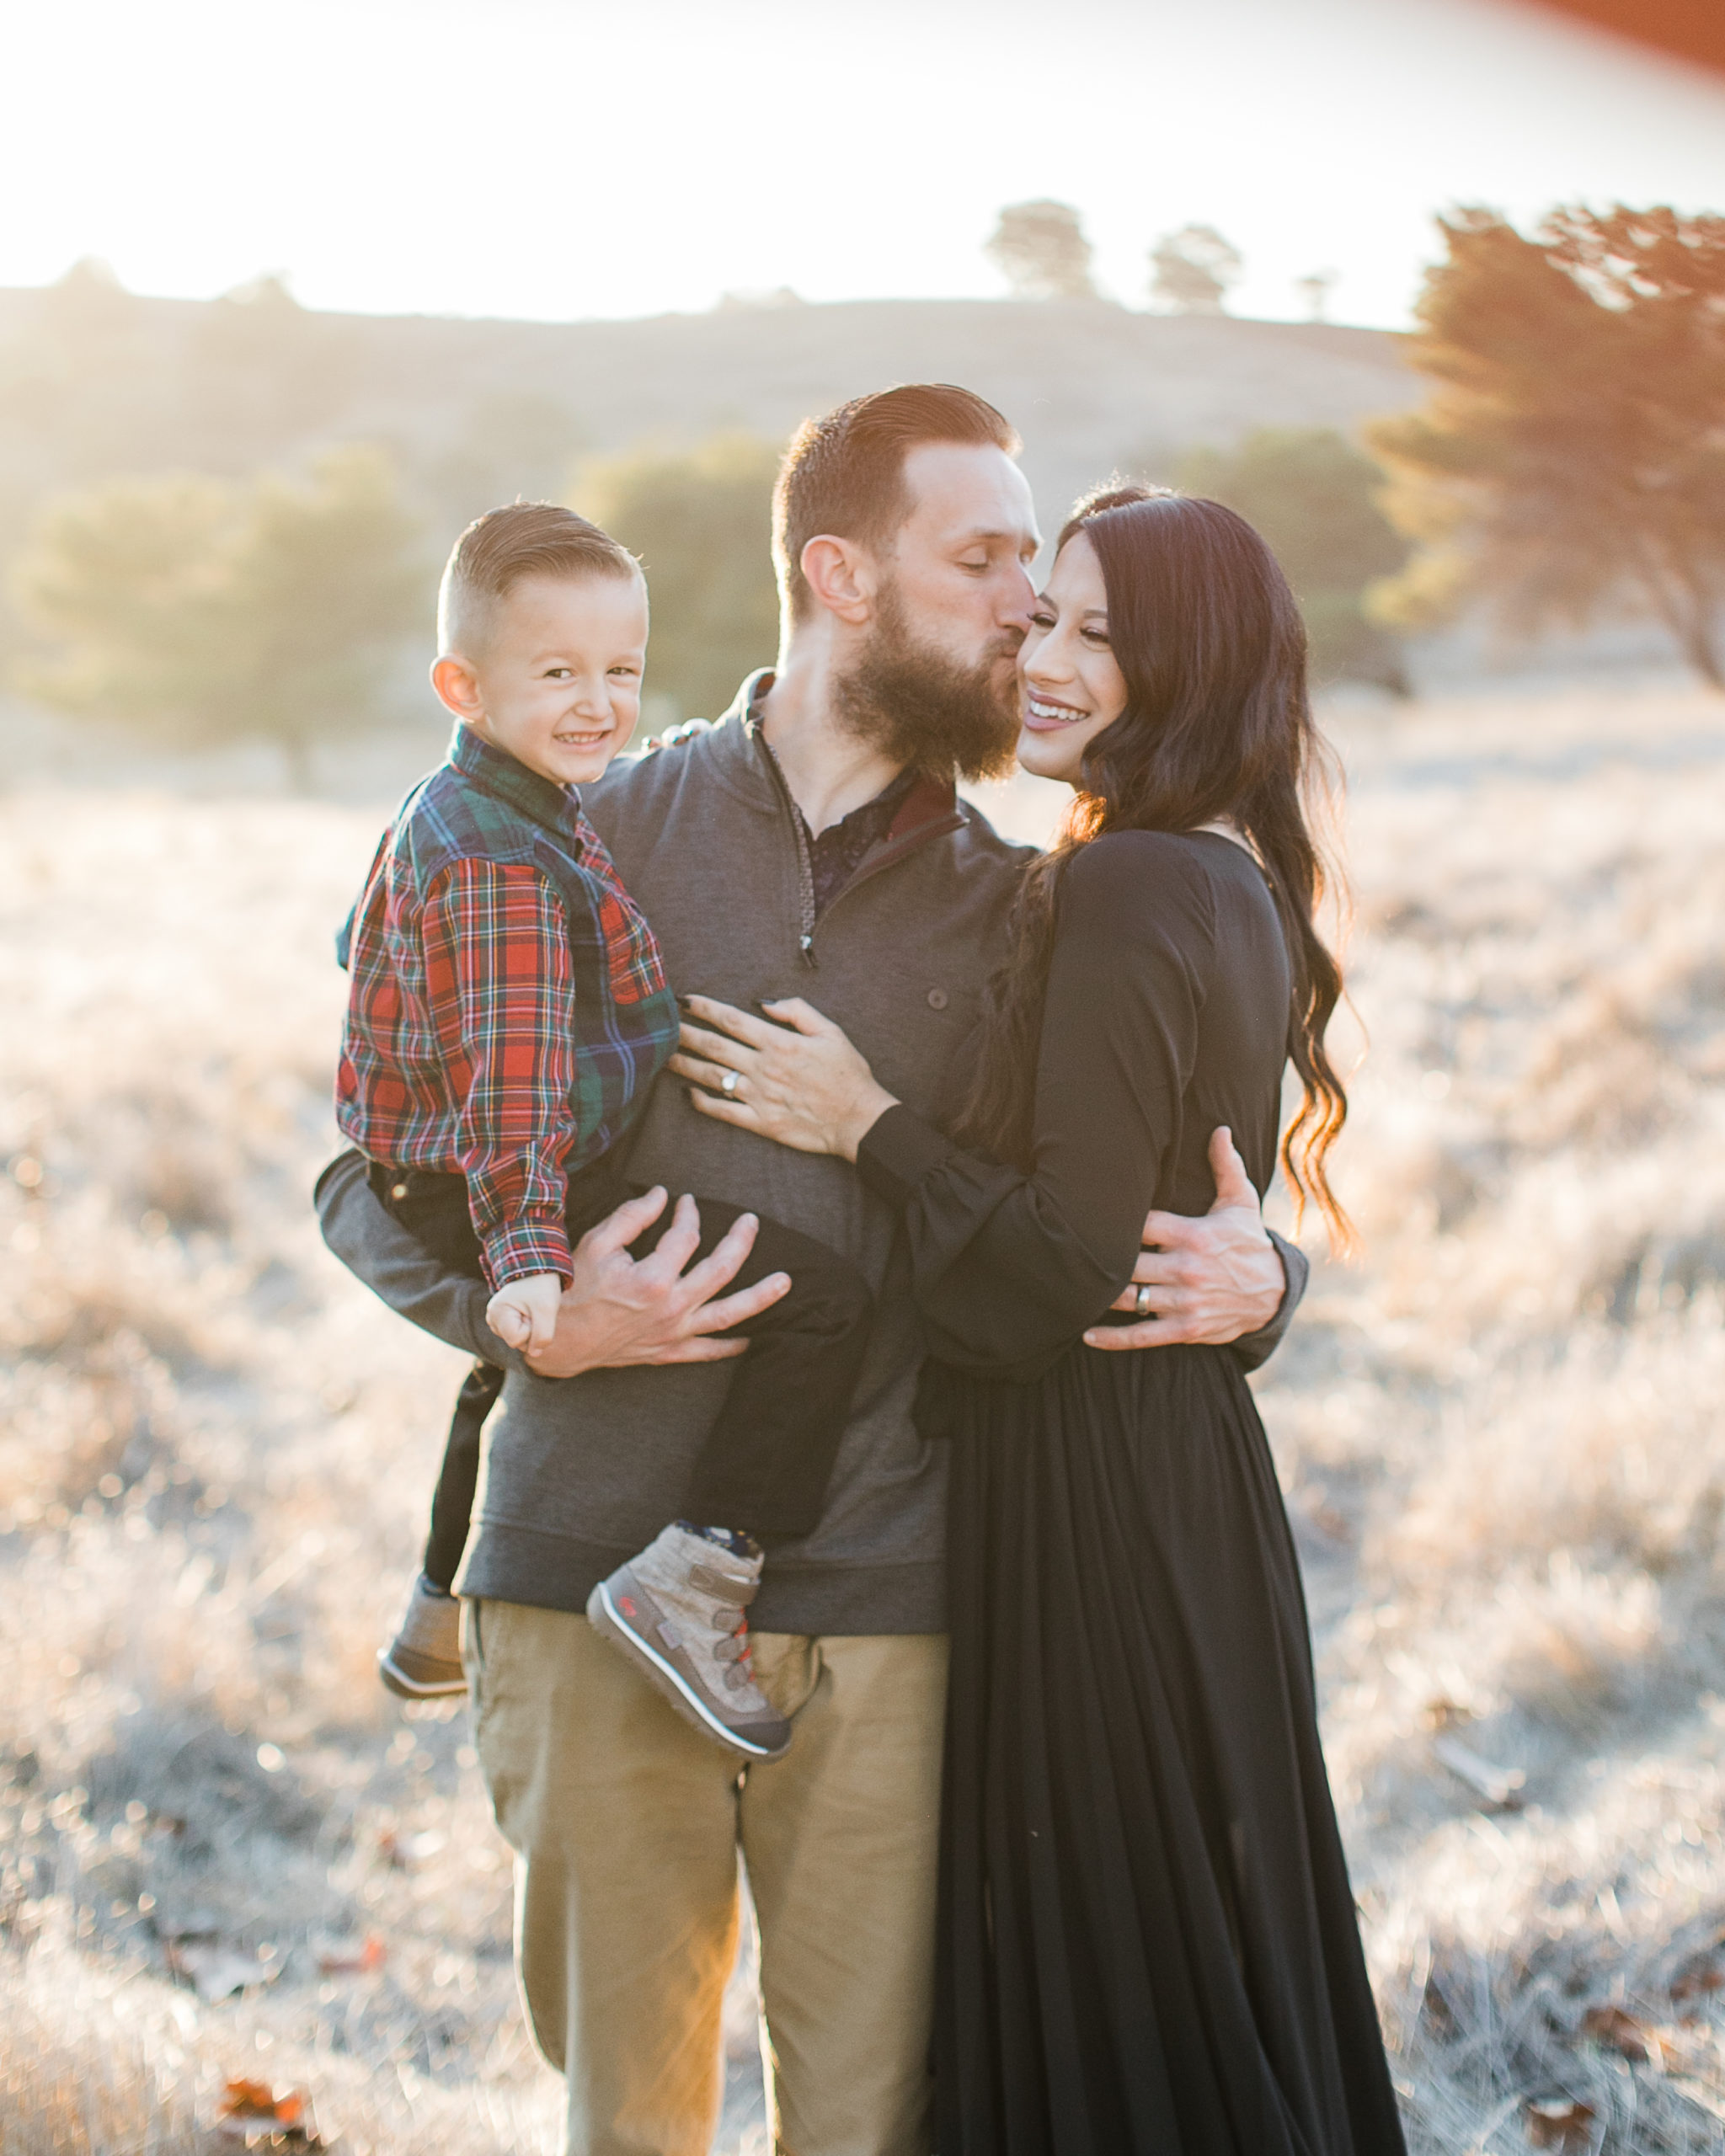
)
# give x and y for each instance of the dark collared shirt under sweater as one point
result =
(837, 854)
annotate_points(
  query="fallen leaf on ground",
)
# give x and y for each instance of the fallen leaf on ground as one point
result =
(1499, 1785)
(352, 1957)
(1622, 2032)
(1561, 2123)
(255, 2100)
(253, 2110)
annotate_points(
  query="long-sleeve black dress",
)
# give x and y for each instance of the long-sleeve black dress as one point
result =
(1148, 1944)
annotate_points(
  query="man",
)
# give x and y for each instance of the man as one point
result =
(811, 844)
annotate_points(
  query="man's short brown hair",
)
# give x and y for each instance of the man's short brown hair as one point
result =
(499, 549)
(844, 472)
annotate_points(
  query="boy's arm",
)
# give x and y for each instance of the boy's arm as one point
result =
(500, 983)
(669, 1308)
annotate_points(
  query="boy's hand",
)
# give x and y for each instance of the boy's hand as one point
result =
(523, 1313)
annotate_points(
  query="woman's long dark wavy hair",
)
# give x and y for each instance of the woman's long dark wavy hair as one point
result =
(1217, 723)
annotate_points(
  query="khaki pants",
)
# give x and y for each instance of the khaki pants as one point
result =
(626, 1825)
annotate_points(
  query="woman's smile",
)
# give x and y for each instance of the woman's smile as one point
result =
(1043, 715)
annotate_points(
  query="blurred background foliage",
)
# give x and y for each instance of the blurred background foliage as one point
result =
(1040, 249)
(197, 609)
(699, 519)
(1571, 457)
(220, 522)
(1314, 496)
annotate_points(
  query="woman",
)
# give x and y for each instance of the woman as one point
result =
(1147, 1938)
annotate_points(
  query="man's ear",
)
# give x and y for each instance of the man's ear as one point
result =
(457, 686)
(843, 576)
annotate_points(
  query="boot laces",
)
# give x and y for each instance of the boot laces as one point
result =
(734, 1647)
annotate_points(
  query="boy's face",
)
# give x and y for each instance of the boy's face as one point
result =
(558, 683)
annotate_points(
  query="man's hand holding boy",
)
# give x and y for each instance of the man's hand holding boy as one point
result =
(620, 1311)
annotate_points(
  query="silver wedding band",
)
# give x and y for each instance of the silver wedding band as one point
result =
(1140, 1303)
(727, 1083)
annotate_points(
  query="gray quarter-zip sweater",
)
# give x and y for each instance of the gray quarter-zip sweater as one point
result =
(581, 1472)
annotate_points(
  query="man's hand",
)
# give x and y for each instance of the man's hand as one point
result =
(523, 1313)
(1212, 1279)
(620, 1311)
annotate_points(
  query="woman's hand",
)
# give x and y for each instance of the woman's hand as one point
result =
(796, 1079)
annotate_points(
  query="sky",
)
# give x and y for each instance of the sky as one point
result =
(562, 160)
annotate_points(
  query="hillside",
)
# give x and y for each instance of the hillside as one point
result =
(1088, 385)
(94, 381)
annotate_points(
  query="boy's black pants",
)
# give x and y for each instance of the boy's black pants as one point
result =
(764, 1466)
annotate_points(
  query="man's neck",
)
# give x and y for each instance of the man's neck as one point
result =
(828, 770)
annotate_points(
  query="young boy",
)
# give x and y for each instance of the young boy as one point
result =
(508, 1012)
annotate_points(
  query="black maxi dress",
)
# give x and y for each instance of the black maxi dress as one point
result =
(1147, 1939)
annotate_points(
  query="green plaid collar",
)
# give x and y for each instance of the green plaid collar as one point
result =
(558, 808)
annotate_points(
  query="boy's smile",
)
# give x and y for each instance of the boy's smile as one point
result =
(555, 681)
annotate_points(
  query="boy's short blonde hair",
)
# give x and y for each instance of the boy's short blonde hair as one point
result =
(499, 549)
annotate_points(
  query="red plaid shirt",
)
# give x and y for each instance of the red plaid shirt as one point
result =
(508, 1009)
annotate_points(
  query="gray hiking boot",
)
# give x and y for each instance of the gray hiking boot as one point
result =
(677, 1611)
(423, 1660)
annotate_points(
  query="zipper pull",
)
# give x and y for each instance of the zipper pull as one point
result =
(807, 943)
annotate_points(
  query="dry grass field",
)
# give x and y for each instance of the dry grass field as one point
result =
(225, 1854)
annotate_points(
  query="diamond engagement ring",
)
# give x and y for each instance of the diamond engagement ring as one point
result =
(1140, 1303)
(727, 1083)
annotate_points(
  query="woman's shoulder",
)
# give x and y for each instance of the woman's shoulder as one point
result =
(1148, 890)
(1193, 890)
(1146, 866)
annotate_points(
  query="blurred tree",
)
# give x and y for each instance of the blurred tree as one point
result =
(89, 306)
(1314, 497)
(1571, 457)
(1191, 270)
(1315, 289)
(203, 611)
(701, 520)
(1040, 249)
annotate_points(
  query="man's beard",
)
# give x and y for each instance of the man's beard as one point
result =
(920, 707)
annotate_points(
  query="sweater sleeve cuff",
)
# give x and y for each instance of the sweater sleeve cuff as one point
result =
(527, 1245)
(1254, 1349)
(898, 1149)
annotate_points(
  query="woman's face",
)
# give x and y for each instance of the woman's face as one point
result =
(1070, 686)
